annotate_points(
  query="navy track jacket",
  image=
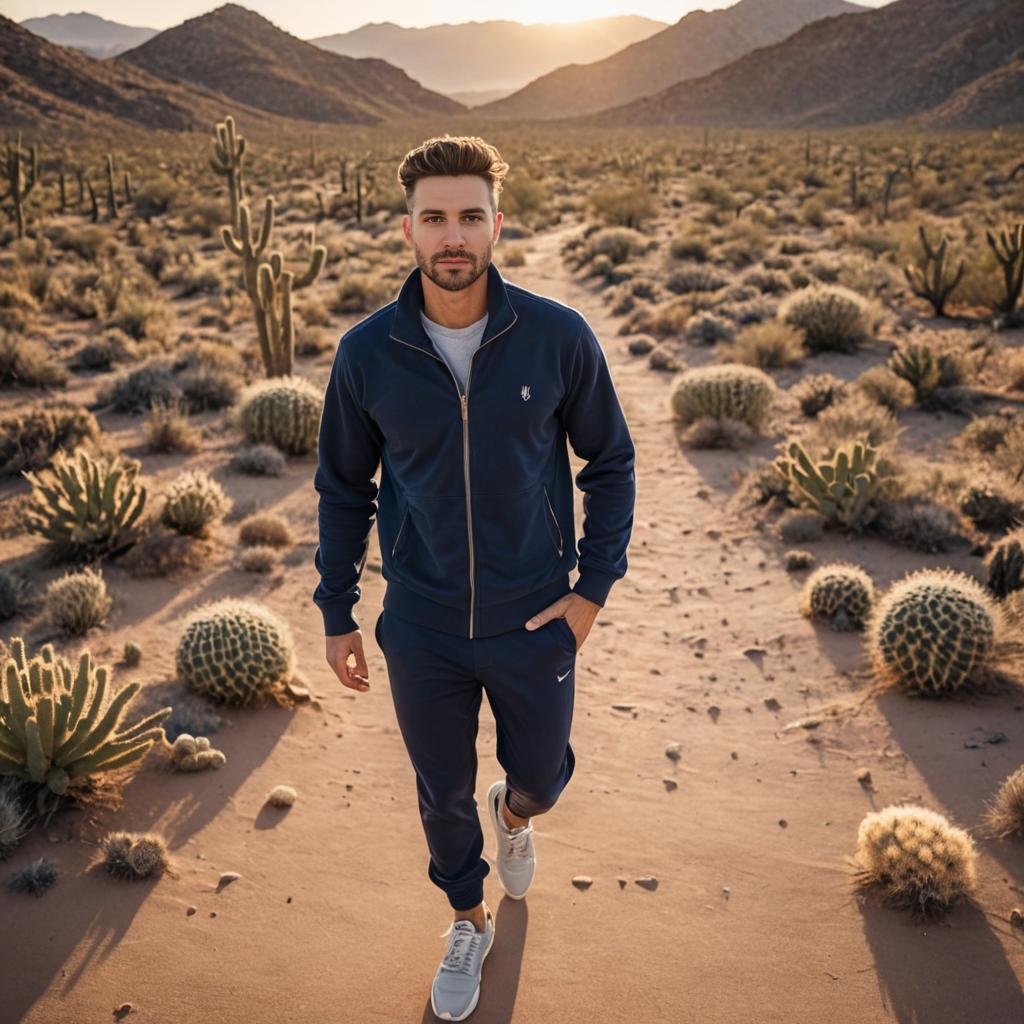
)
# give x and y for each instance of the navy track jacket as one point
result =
(475, 506)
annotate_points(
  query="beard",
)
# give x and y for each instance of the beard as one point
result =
(453, 279)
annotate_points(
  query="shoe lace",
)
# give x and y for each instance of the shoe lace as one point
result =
(462, 946)
(518, 841)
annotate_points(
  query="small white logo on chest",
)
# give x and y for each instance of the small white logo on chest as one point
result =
(525, 392)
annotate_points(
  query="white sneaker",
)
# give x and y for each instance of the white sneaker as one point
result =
(456, 988)
(516, 858)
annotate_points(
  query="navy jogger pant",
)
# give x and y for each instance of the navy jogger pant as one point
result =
(437, 680)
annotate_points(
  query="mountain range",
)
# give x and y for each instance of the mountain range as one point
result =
(95, 36)
(695, 45)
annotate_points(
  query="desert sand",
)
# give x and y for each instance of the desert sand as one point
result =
(748, 831)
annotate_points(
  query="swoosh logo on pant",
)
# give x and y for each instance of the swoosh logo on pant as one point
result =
(560, 678)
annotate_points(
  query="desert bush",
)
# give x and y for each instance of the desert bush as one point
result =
(25, 362)
(706, 328)
(768, 346)
(817, 391)
(30, 437)
(832, 318)
(265, 528)
(258, 460)
(78, 602)
(694, 278)
(852, 419)
(727, 391)
(629, 207)
(361, 293)
(883, 387)
(260, 558)
(168, 429)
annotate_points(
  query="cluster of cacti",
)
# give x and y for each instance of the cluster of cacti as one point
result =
(194, 753)
(840, 594)
(1005, 815)
(916, 858)
(57, 723)
(268, 284)
(282, 411)
(86, 506)
(1005, 565)
(228, 157)
(932, 631)
(832, 318)
(131, 856)
(78, 601)
(842, 489)
(726, 391)
(930, 278)
(235, 652)
(193, 502)
(1009, 251)
(21, 172)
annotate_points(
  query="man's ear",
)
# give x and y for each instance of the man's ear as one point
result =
(407, 228)
(498, 218)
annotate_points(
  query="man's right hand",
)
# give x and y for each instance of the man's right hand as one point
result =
(338, 650)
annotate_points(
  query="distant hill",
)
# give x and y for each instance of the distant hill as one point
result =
(42, 83)
(476, 99)
(481, 56)
(698, 43)
(244, 56)
(95, 36)
(951, 61)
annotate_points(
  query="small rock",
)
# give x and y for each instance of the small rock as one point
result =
(734, 755)
(640, 345)
(713, 712)
(783, 823)
(583, 881)
(802, 723)
(1016, 918)
(726, 891)
(674, 751)
(190, 911)
(772, 704)
(227, 878)
(622, 882)
(122, 1011)
(647, 882)
(864, 776)
(623, 707)
(661, 359)
(670, 784)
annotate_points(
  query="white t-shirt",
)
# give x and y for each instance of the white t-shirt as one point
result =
(456, 344)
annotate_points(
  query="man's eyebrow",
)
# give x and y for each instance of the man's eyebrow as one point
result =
(471, 209)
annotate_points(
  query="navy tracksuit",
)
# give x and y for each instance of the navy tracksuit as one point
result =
(474, 516)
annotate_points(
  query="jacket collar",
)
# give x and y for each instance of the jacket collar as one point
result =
(408, 327)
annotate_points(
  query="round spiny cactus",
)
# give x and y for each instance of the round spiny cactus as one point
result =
(235, 652)
(832, 317)
(916, 857)
(193, 753)
(194, 501)
(78, 601)
(726, 391)
(840, 594)
(132, 856)
(932, 630)
(1005, 815)
(282, 411)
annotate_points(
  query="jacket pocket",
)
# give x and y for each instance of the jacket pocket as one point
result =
(557, 536)
(431, 552)
(516, 540)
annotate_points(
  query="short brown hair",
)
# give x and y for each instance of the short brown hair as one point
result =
(452, 155)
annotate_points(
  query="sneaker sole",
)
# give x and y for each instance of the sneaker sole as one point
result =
(476, 994)
(492, 792)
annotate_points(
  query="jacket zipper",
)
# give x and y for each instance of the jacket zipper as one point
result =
(464, 403)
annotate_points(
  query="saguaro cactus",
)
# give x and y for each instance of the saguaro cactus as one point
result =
(21, 175)
(111, 195)
(931, 278)
(228, 155)
(1009, 250)
(270, 286)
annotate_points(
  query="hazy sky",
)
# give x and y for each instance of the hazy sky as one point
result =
(308, 18)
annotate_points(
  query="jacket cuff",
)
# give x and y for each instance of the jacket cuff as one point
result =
(338, 620)
(594, 586)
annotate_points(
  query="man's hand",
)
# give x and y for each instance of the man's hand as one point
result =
(338, 650)
(576, 610)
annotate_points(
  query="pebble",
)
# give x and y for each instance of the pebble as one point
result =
(582, 881)
(647, 882)
(227, 878)
(783, 823)
(674, 751)
(714, 711)
(670, 784)
(864, 776)
(623, 882)
(623, 707)
(122, 1011)
(1017, 918)
(190, 911)
(772, 704)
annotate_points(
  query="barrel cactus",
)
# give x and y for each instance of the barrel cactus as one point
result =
(86, 506)
(56, 723)
(235, 652)
(193, 502)
(1005, 565)
(1005, 815)
(832, 318)
(727, 391)
(933, 630)
(282, 411)
(917, 859)
(840, 594)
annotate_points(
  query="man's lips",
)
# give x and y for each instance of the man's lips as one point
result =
(453, 261)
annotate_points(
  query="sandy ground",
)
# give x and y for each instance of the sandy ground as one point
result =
(754, 918)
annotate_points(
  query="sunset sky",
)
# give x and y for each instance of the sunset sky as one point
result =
(307, 18)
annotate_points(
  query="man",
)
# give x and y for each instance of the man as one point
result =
(464, 391)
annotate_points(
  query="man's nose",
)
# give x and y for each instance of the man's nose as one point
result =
(453, 234)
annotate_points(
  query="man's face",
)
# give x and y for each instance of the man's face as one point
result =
(452, 229)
